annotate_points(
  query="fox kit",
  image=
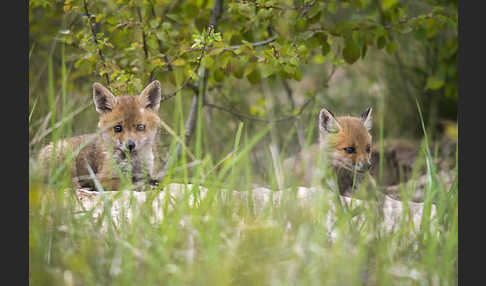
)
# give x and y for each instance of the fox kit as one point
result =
(127, 129)
(345, 144)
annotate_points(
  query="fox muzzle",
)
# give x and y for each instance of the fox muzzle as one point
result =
(364, 166)
(130, 145)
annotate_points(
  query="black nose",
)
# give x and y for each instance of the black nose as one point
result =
(367, 165)
(130, 145)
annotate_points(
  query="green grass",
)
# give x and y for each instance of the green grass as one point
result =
(221, 241)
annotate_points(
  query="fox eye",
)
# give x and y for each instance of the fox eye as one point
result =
(368, 149)
(118, 128)
(349, 150)
(140, 127)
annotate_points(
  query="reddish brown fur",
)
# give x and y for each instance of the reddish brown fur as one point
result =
(336, 134)
(353, 134)
(109, 146)
(127, 112)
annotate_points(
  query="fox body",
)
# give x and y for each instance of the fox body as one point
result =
(344, 145)
(123, 144)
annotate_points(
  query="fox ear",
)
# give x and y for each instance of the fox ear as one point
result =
(327, 122)
(150, 96)
(366, 118)
(104, 100)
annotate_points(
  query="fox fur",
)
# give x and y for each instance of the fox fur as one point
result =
(344, 145)
(124, 142)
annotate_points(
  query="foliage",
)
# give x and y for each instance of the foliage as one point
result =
(126, 43)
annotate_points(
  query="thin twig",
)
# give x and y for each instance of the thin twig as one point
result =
(331, 74)
(95, 40)
(144, 42)
(282, 8)
(234, 47)
(289, 92)
(386, 27)
(145, 50)
(254, 118)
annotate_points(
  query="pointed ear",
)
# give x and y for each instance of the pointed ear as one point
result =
(104, 100)
(150, 96)
(366, 118)
(327, 122)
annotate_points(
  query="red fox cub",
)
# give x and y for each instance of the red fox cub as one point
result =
(344, 144)
(127, 129)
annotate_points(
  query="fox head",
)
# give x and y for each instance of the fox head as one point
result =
(129, 123)
(348, 138)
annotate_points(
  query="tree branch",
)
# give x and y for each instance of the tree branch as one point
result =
(145, 50)
(234, 47)
(260, 119)
(386, 27)
(298, 122)
(282, 8)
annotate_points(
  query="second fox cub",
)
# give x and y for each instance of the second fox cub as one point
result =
(127, 129)
(345, 144)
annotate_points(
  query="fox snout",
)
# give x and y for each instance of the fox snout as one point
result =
(364, 166)
(130, 146)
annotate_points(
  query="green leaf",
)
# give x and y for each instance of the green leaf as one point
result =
(239, 70)
(332, 7)
(351, 52)
(219, 75)
(267, 70)
(179, 62)
(207, 62)
(302, 50)
(314, 41)
(391, 47)
(434, 83)
(301, 24)
(290, 70)
(319, 59)
(314, 10)
(254, 77)
(387, 4)
(152, 43)
(326, 48)
(161, 36)
(166, 25)
(451, 91)
(297, 75)
(364, 48)
(154, 23)
(381, 42)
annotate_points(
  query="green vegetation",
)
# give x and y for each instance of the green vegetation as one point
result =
(258, 80)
